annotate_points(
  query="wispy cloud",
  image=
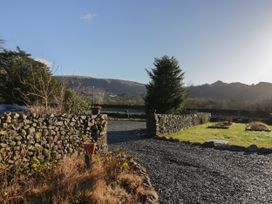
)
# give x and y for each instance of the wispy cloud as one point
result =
(88, 17)
(45, 61)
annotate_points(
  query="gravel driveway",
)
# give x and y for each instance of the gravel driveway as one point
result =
(189, 174)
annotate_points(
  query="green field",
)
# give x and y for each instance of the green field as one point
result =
(235, 135)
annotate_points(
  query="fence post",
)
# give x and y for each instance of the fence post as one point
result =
(89, 149)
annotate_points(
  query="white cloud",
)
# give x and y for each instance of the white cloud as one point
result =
(45, 61)
(88, 17)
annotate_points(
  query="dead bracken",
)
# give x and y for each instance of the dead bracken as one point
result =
(112, 178)
(257, 126)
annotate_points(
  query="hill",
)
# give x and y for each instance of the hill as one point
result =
(234, 96)
(116, 91)
(113, 86)
(232, 91)
(106, 90)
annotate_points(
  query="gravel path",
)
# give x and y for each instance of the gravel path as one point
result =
(188, 174)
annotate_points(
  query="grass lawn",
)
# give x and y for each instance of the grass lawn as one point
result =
(235, 135)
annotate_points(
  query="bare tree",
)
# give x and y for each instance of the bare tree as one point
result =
(59, 97)
(43, 87)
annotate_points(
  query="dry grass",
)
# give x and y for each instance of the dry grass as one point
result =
(221, 125)
(110, 180)
(257, 126)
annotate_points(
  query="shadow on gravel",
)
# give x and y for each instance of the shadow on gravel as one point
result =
(115, 137)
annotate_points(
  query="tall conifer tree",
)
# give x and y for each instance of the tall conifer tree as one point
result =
(165, 91)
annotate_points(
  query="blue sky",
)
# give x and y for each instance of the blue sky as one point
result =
(228, 40)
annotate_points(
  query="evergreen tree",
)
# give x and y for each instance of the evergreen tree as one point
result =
(165, 91)
(21, 78)
(26, 81)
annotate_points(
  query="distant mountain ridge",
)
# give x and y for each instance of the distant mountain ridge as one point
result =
(232, 91)
(109, 86)
(217, 91)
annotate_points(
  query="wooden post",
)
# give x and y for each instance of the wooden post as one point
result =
(89, 152)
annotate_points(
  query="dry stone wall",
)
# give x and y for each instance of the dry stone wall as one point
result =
(25, 139)
(159, 124)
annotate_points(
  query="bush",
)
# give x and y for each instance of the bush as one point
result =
(257, 126)
(73, 103)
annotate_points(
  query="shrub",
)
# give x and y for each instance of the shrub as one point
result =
(73, 103)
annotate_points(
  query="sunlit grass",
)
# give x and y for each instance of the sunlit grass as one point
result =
(235, 135)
